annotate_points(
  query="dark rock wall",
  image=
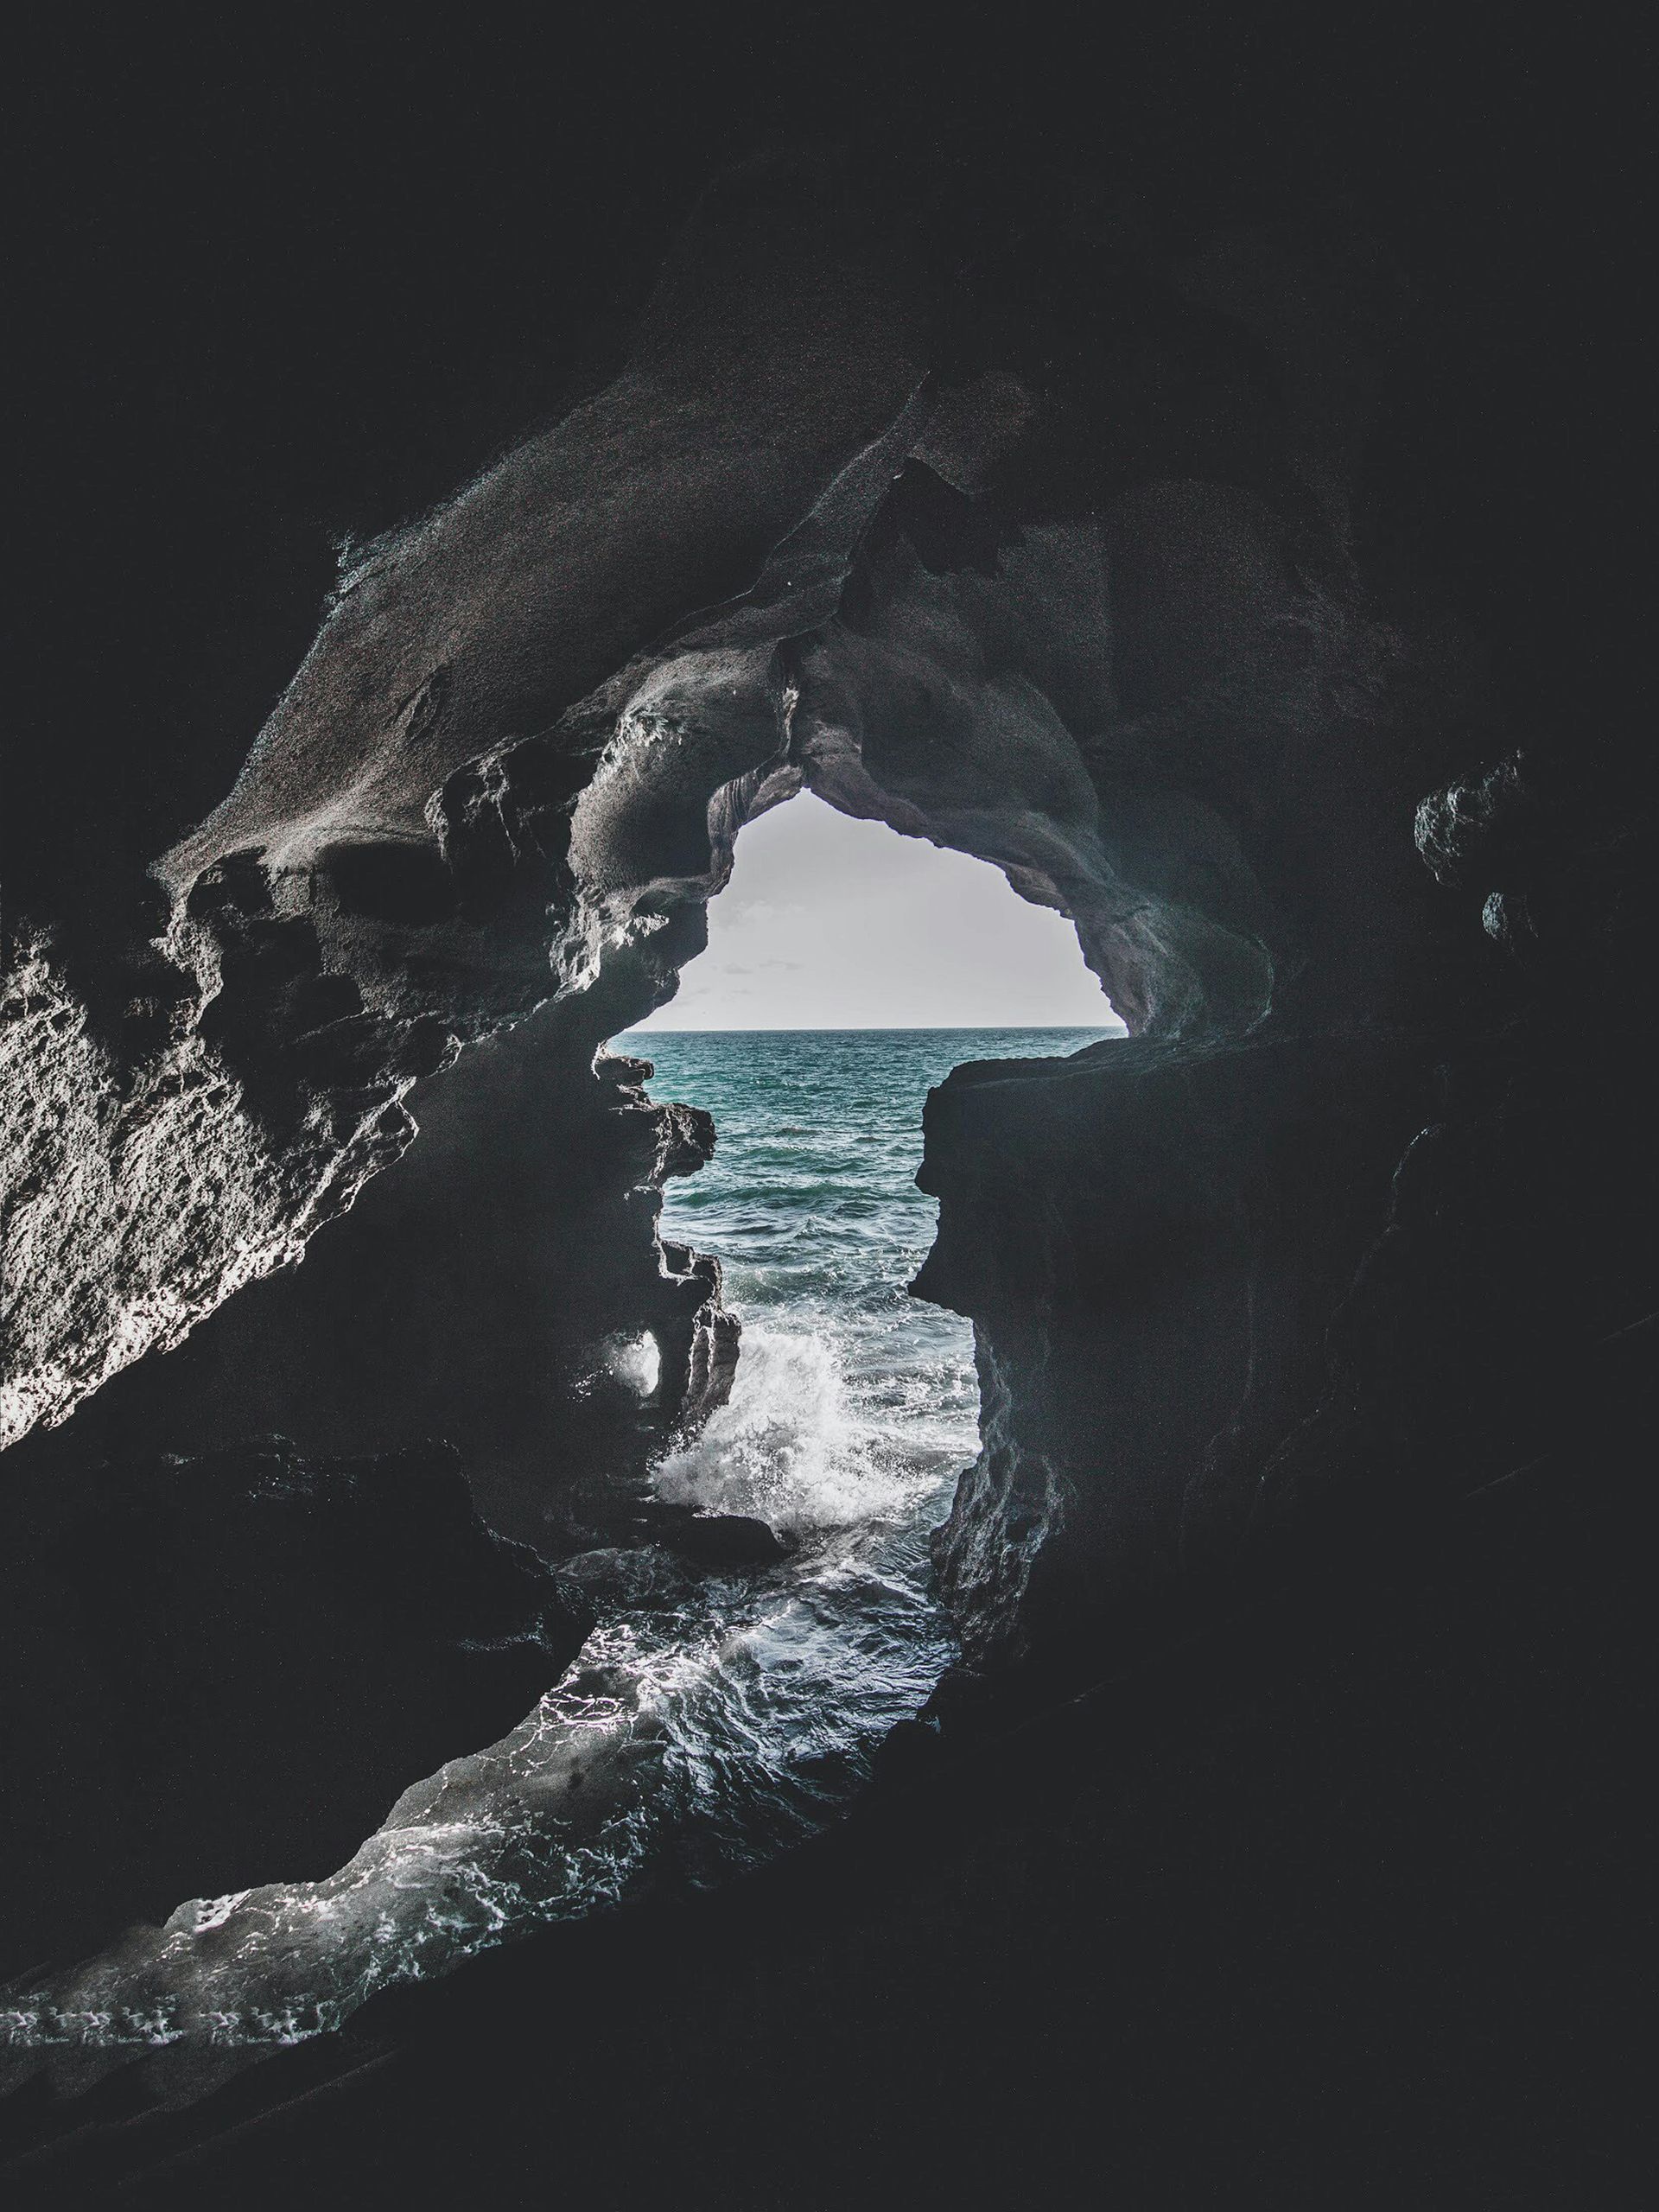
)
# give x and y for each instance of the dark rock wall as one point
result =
(1150, 1239)
(1128, 554)
(1071, 587)
(1087, 584)
(1341, 1901)
(1240, 1297)
(223, 1670)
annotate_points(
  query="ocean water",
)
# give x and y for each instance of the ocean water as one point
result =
(711, 1720)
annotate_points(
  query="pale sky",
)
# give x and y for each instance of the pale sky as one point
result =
(833, 924)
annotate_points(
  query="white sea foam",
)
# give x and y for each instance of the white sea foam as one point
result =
(788, 1448)
(636, 1361)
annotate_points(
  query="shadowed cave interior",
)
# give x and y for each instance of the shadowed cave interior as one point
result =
(473, 1348)
(1271, 1821)
(757, 1599)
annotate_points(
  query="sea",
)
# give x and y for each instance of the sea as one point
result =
(712, 1720)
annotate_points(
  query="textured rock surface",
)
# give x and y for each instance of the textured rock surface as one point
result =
(135, 1201)
(391, 873)
(1192, 505)
(1151, 1239)
(222, 1671)
(983, 581)
(1233, 1296)
(486, 1289)
(1128, 660)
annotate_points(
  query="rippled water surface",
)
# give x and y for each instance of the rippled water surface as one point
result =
(709, 1721)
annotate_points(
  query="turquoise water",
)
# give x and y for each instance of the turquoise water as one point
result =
(852, 1398)
(710, 1719)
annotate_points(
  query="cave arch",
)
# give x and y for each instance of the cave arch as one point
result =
(809, 537)
(928, 701)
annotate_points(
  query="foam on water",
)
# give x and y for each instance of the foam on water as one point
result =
(708, 1721)
(788, 1449)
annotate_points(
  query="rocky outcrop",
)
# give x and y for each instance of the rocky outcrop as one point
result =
(889, 555)
(484, 1290)
(1237, 1300)
(1203, 489)
(1092, 569)
(1151, 1240)
(392, 874)
(223, 1670)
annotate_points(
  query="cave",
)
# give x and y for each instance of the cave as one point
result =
(735, 1539)
(1158, 517)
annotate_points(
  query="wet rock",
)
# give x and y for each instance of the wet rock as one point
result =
(908, 1753)
(717, 1540)
(701, 1381)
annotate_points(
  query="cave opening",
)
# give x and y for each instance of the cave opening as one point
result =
(1159, 496)
(848, 969)
(776, 1614)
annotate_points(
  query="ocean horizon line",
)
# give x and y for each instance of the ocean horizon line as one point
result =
(881, 1029)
